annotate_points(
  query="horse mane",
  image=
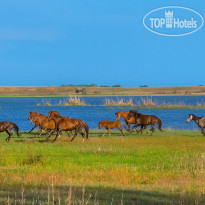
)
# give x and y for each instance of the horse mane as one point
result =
(139, 114)
(55, 112)
(134, 111)
(194, 116)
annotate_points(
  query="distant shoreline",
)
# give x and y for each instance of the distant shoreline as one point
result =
(7, 91)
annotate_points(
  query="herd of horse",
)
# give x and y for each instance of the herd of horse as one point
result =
(54, 122)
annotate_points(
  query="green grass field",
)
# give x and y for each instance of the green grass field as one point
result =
(166, 168)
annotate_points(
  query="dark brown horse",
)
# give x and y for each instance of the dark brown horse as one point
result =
(144, 120)
(200, 121)
(110, 125)
(6, 126)
(124, 114)
(68, 124)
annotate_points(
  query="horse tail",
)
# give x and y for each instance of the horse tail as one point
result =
(160, 125)
(16, 129)
(86, 129)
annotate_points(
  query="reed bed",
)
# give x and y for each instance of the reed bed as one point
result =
(71, 101)
(119, 102)
(66, 102)
(45, 103)
(148, 103)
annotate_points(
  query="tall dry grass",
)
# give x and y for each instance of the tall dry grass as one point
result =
(66, 102)
(118, 102)
(72, 101)
(149, 103)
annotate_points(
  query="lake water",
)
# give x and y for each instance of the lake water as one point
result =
(17, 109)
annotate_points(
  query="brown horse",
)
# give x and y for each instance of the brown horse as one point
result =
(31, 116)
(44, 124)
(110, 125)
(68, 124)
(144, 120)
(6, 126)
(200, 121)
(124, 114)
(57, 113)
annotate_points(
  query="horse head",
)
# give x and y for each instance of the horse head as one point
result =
(99, 125)
(190, 118)
(33, 120)
(30, 115)
(51, 116)
(118, 115)
(132, 113)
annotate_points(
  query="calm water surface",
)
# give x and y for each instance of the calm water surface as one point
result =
(17, 110)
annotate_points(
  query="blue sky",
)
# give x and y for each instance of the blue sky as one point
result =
(50, 42)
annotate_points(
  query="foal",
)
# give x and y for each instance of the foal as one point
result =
(110, 125)
(200, 121)
(6, 126)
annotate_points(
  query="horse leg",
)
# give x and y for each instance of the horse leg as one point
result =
(69, 133)
(83, 135)
(49, 135)
(39, 130)
(141, 129)
(121, 131)
(127, 123)
(135, 126)
(104, 132)
(148, 130)
(33, 128)
(75, 134)
(109, 132)
(58, 134)
(48, 132)
(10, 134)
(153, 129)
(137, 131)
(42, 132)
(202, 131)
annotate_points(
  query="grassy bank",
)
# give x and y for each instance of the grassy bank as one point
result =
(167, 167)
(102, 91)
